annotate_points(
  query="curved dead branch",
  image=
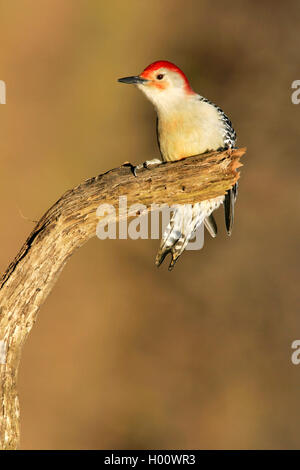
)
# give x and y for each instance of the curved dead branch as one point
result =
(65, 227)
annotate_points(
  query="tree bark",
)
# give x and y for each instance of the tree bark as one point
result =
(66, 226)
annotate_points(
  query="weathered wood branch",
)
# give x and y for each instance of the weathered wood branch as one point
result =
(65, 227)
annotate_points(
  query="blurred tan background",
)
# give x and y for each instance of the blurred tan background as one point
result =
(124, 355)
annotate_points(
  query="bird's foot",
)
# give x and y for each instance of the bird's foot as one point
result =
(149, 164)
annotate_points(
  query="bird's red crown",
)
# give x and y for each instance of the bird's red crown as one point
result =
(169, 66)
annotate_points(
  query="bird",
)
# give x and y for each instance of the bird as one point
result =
(187, 124)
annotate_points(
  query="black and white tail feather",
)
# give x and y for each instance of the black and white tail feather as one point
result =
(187, 218)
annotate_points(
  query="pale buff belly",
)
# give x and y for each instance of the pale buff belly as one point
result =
(180, 138)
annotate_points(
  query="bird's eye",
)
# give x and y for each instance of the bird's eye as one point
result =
(160, 76)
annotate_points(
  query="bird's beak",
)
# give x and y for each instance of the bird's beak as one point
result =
(133, 80)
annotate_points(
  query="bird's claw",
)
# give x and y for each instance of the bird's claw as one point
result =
(148, 164)
(137, 168)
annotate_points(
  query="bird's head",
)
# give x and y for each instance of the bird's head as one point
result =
(163, 83)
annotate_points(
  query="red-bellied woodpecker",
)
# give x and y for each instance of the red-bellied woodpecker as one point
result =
(187, 124)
